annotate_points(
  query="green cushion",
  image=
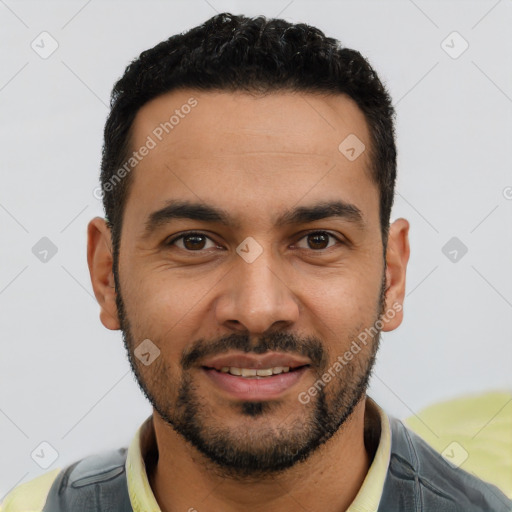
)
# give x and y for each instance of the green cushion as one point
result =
(473, 432)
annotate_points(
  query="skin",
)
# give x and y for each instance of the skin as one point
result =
(255, 157)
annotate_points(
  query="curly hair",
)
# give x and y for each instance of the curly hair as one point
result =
(261, 55)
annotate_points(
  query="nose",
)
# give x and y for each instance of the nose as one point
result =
(257, 297)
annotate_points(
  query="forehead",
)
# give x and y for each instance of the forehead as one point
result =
(280, 121)
(252, 153)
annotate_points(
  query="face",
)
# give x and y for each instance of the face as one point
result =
(250, 245)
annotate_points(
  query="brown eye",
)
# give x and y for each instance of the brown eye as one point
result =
(318, 240)
(192, 242)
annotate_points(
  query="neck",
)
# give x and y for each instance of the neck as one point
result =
(328, 480)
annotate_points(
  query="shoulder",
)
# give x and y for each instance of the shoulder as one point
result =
(55, 490)
(419, 476)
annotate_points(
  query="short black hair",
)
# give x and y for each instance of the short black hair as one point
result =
(257, 55)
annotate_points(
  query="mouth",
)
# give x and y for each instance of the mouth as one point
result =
(256, 373)
(255, 383)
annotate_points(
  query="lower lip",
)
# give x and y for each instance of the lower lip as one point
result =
(247, 388)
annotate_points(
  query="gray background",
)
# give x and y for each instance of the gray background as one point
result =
(64, 378)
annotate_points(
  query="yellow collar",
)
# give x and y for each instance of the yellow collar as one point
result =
(367, 499)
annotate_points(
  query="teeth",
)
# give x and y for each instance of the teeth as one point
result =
(264, 373)
(253, 372)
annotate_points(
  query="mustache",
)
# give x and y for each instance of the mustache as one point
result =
(276, 342)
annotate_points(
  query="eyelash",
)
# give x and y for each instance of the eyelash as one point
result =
(189, 233)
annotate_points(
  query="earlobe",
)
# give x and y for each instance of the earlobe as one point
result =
(100, 260)
(397, 257)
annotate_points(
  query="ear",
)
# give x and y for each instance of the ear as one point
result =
(397, 256)
(100, 260)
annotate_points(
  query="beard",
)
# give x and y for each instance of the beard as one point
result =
(257, 447)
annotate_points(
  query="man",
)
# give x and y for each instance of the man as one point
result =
(247, 256)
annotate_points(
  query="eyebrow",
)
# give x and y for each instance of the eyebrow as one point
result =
(179, 209)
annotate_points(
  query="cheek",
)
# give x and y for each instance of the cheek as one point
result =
(158, 297)
(347, 294)
(165, 310)
(342, 306)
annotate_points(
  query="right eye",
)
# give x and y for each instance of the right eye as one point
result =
(191, 241)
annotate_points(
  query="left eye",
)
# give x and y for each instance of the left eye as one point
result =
(317, 240)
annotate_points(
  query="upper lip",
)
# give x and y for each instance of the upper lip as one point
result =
(268, 360)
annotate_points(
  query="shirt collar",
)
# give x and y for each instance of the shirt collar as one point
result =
(377, 430)
(370, 493)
